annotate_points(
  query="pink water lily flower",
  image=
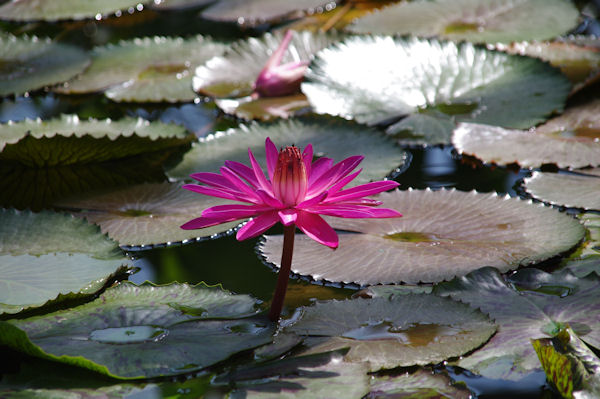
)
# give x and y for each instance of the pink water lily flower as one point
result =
(277, 80)
(296, 192)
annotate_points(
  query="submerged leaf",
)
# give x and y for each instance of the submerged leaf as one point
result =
(330, 137)
(532, 304)
(34, 10)
(144, 331)
(399, 77)
(488, 21)
(442, 234)
(145, 69)
(145, 215)
(389, 332)
(30, 63)
(579, 190)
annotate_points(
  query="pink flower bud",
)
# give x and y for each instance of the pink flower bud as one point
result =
(290, 180)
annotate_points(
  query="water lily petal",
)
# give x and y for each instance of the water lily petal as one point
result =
(355, 211)
(202, 222)
(235, 211)
(312, 201)
(214, 180)
(342, 183)
(307, 156)
(216, 192)
(244, 171)
(268, 199)
(258, 225)
(338, 171)
(271, 154)
(319, 167)
(316, 228)
(288, 216)
(238, 183)
(259, 174)
(363, 190)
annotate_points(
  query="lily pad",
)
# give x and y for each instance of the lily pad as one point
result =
(150, 69)
(442, 234)
(532, 304)
(445, 81)
(146, 215)
(330, 137)
(144, 331)
(48, 257)
(180, 4)
(68, 140)
(572, 190)
(487, 21)
(422, 384)
(261, 11)
(263, 108)
(403, 331)
(35, 10)
(31, 63)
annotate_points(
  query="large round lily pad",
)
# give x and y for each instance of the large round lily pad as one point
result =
(144, 331)
(572, 190)
(30, 63)
(532, 304)
(330, 137)
(431, 83)
(34, 10)
(256, 12)
(488, 21)
(441, 234)
(145, 215)
(409, 330)
(145, 69)
(47, 257)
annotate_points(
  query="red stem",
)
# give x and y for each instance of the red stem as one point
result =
(284, 272)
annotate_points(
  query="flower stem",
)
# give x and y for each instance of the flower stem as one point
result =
(284, 272)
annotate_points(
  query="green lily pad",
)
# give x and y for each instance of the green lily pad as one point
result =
(532, 304)
(49, 257)
(442, 234)
(68, 140)
(150, 69)
(144, 331)
(571, 140)
(264, 108)
(568, 189)
(445, 81)
(487, 21)
(146, 215)
(31, 63)
(403, 331)
(35, 10)
(261, 11)
(569, 364)
(330, 137)
(422, 384)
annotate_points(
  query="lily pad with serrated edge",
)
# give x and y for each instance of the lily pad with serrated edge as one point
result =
(36, 10)
(408, 77)
(330, 137)
(416, 329)
(488, 21)
(422, 383)
(146, 215)
(573, 190)
(144, 331)
(442, 234)
(531, 304)
(68, 140)
(261, 11)
(31, 63)
(49, 257)
(150, 69)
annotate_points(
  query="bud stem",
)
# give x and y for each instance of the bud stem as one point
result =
(289, 233)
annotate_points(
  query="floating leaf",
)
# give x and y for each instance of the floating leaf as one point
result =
(180, 4)
(145, 69)
(143, 331)
(401, 77)
(35, 10)
(401, 331)
(442, 234)
(263, 108)
(67, 140)
(579, 190)
(422, 383)
(488, 21)
(261, 11)
(46, 257)
(145, 215)
(333, 138)
(569, 364)
(533, 304)
(30, 63)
